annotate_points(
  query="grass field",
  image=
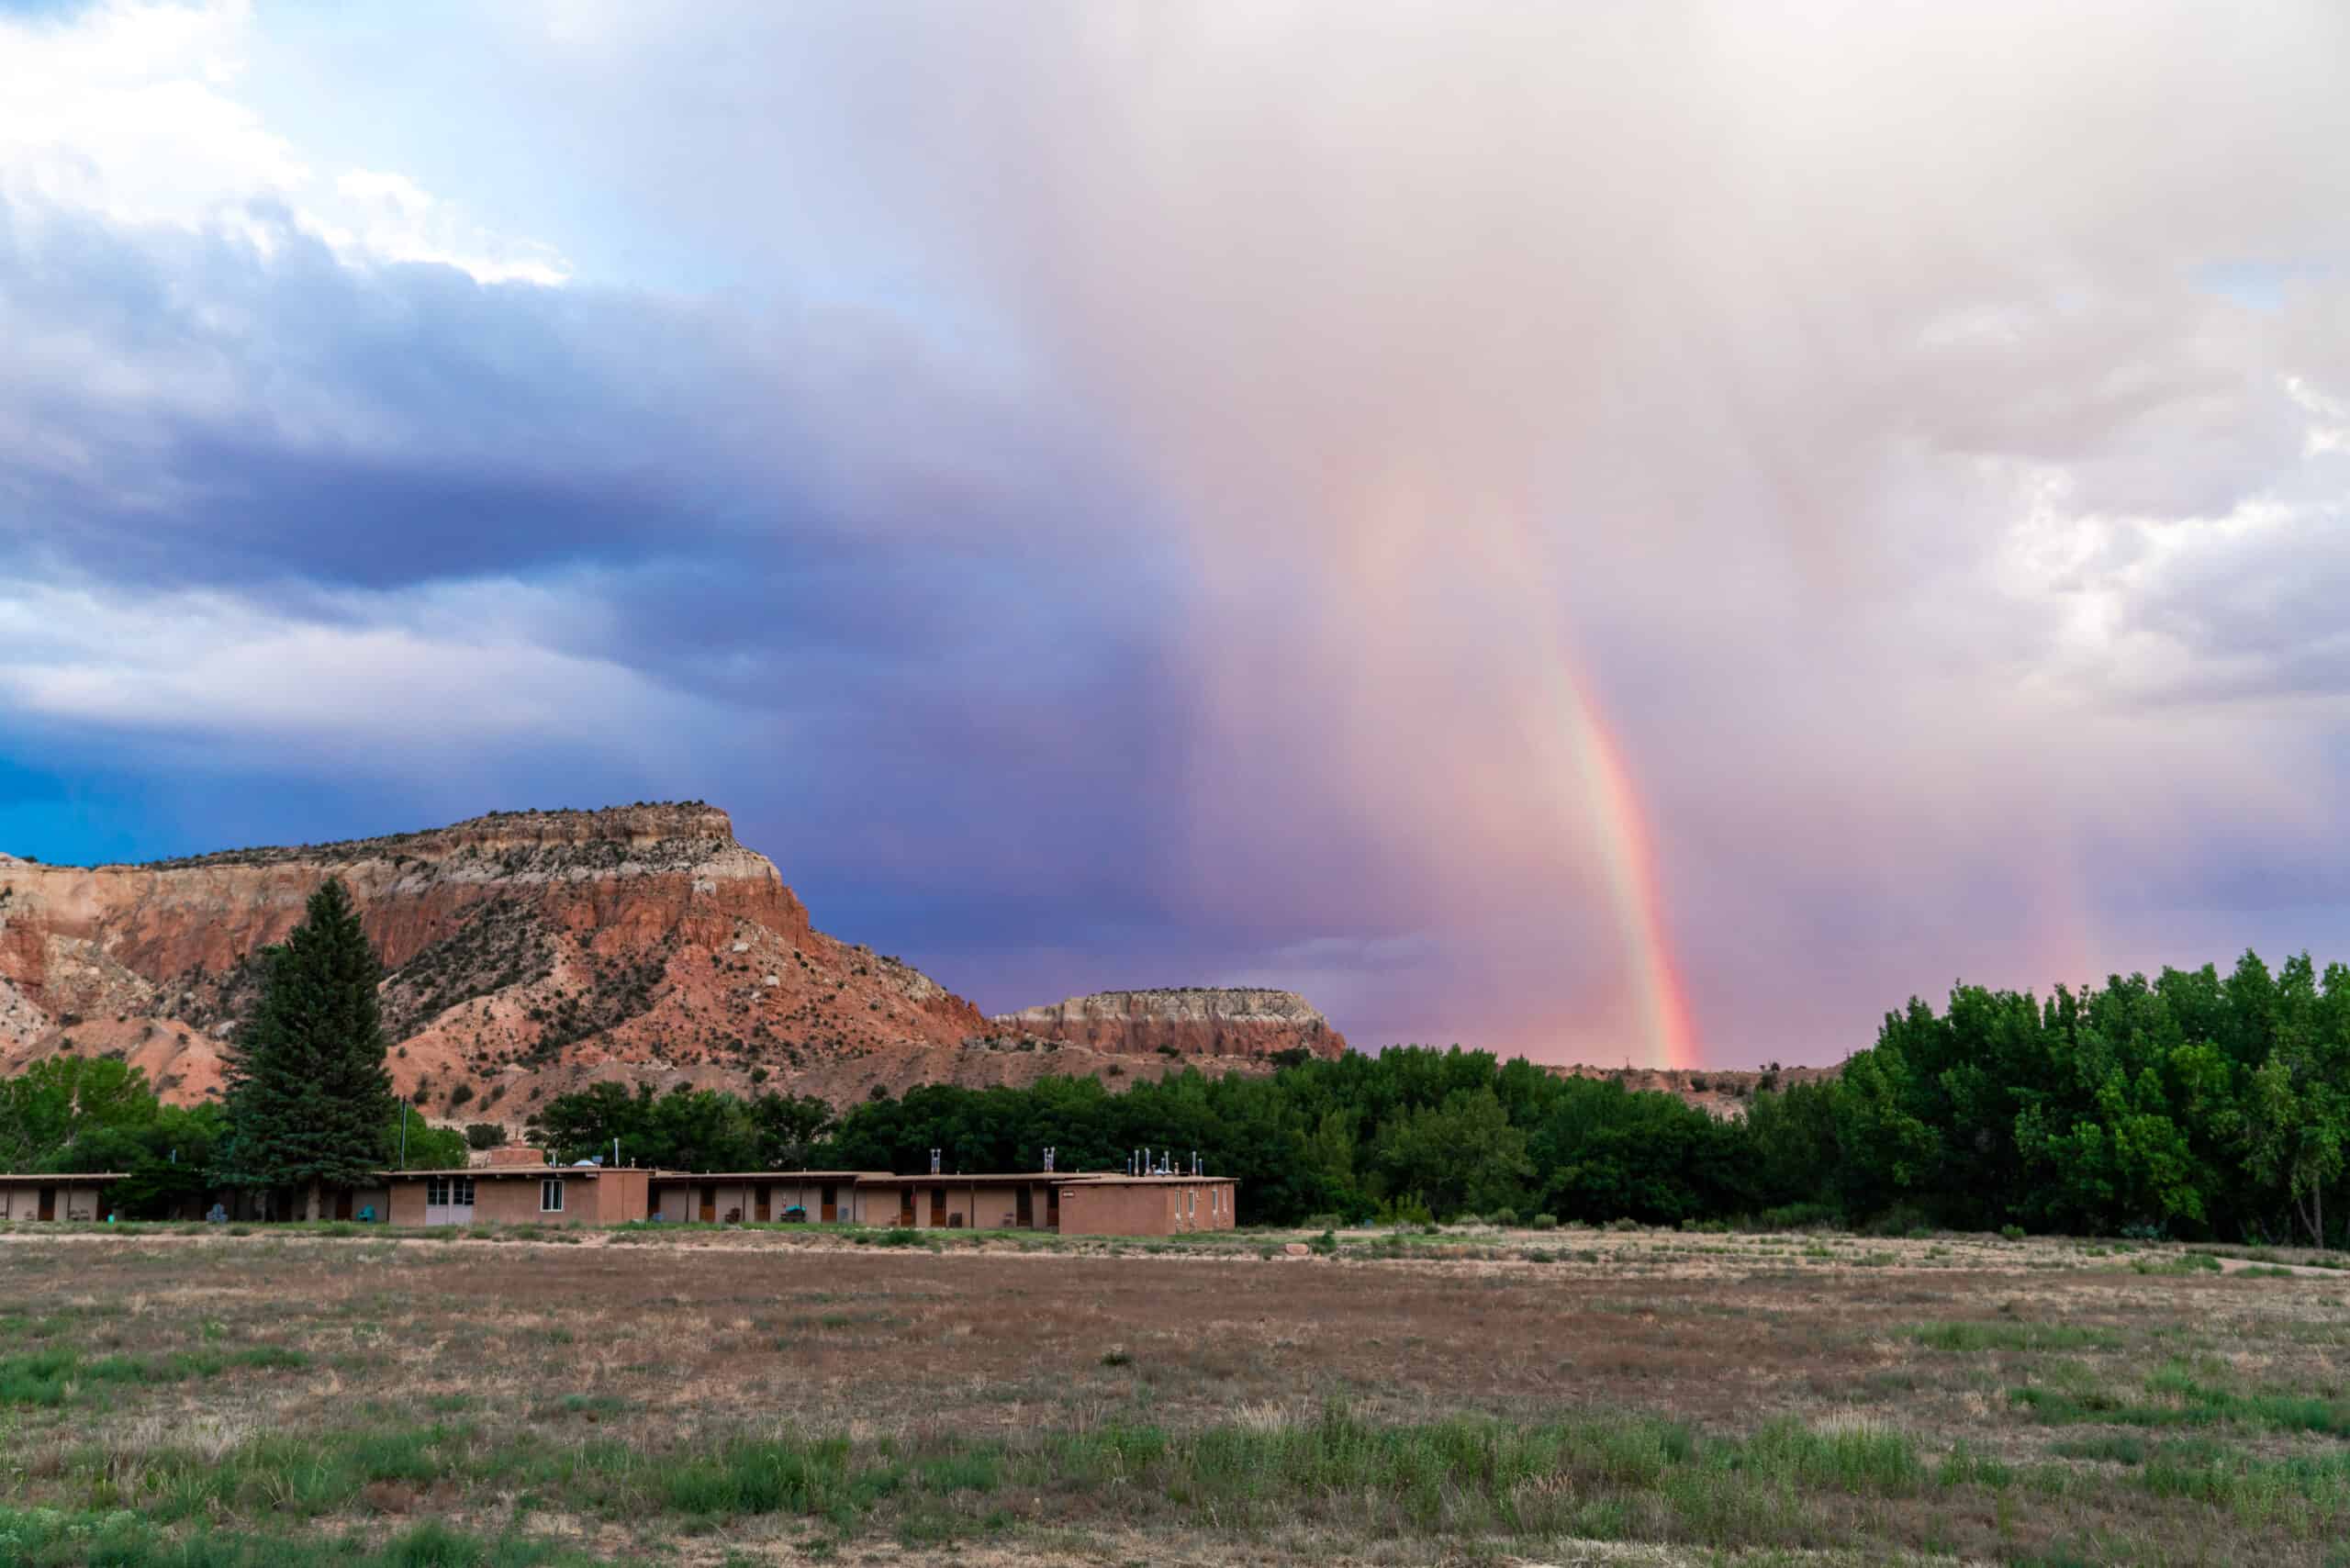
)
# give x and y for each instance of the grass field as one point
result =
(291, 1396)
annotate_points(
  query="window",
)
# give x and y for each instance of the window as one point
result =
(436, 1189)
(445, 1190)
(1191, 1201)
(551, 1195)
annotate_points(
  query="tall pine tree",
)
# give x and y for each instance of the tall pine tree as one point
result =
(308, 1095)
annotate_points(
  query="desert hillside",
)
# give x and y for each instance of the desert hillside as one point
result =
(526, 954)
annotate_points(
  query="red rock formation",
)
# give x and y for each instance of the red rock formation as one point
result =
(1195, 1021)
(526, 954)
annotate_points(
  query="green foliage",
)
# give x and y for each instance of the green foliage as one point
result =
(2191, 1106)
(73, 1114)
(308, 1095)
(424, 1146)
(686, 1129)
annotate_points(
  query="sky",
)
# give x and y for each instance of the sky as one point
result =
(1627, 534)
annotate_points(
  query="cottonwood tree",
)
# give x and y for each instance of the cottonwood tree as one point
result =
(308, 1095)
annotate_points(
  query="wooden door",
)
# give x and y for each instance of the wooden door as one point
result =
(1024, 1215)
(830, 1209)
(48, 1202)
(342, 1204)
(906, 1209)
(710, 1202)
(763, 1209)
(938, 1207)
(1052, 1208)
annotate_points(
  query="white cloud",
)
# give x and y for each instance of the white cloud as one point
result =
(396, 684)
(133, 110)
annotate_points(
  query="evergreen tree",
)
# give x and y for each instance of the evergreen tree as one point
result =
(308, 1095)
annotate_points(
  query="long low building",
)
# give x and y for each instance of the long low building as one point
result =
(517, 1186)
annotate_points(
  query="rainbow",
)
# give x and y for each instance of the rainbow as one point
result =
(1378, 570)
(1602, 791)
(1628, 856)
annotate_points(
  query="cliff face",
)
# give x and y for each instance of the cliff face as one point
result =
(1186, 1022)
(525, 953)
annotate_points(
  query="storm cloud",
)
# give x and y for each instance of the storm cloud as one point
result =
(1474, 512)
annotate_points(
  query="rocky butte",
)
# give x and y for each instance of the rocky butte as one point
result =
(1193, 1021)
(530, 953)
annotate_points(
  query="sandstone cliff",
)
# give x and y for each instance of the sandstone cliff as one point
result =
(526, 954)
(1194, 1021)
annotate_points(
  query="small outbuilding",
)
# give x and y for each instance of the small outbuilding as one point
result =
(81, 1196)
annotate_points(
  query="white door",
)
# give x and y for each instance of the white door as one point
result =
(449, 1200)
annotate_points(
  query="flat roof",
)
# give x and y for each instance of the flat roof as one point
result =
(62, 1178)
(1120, 1178)
(492, 1172)
(888, 1179)
(768, 1175)
(1054, 1178)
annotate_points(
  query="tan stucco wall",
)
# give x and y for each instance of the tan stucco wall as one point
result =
(681, 1201)
(1147, 1209)
(514, 1200)
(407, 1202)
(620, 1195)
(986, 1205)
(81, 1201)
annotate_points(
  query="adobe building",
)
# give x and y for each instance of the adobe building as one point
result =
(77, 1197)
(517, 1186)
(546, 1195)
(758, 1197)
(1145, 1205)
(1024, 1201)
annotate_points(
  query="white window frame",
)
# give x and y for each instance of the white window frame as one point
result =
(550, 1187)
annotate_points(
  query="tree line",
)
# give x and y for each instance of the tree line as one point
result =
(2193, 1105)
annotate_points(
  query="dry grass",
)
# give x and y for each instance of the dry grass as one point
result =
(1964, 1396)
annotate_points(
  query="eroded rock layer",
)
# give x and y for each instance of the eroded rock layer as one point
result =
(1190, 1021)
